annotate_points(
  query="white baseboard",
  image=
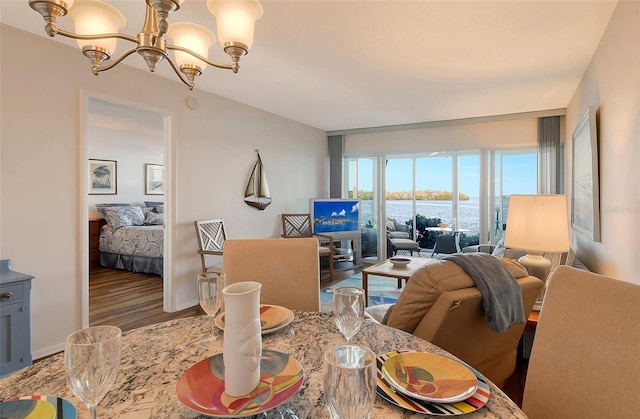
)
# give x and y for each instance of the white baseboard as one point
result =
(47, 351)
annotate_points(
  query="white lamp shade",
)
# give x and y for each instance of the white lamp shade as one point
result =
(537, 223)
(194, 37)
(93, 17)
(235, 20)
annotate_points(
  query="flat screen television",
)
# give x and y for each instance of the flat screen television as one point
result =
(339, 218)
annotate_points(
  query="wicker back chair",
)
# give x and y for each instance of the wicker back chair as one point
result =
(299, 225)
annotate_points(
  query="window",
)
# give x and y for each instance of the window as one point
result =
(444, 187)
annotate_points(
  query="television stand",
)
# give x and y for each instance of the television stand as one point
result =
(343, 254)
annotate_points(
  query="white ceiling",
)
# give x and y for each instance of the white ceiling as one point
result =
(338, 65)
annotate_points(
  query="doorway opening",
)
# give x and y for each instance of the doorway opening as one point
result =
(132, 138)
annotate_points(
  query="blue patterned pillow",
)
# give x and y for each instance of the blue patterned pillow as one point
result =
(153, 218)
(117, 217)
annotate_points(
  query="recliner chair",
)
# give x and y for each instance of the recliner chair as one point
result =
(442, 305)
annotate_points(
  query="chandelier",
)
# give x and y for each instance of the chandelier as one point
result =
(97, 24)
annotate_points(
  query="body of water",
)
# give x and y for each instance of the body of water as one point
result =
(402, 211)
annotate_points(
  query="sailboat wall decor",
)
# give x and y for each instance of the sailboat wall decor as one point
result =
(257, 193)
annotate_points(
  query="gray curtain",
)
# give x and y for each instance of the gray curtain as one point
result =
(550, 179)
(336, 151)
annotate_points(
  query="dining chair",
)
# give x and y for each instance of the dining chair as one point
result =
(211, 236)
(299, 225)
(584, 360)
(287, 268)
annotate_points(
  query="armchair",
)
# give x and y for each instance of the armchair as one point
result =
(442, 305)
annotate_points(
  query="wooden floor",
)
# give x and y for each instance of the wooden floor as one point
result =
(130, 300)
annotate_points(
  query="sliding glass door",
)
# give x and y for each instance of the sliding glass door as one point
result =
(468, 190)
(363, 182)
(514, 172)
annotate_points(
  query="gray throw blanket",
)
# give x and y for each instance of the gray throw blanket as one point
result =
(501, 294)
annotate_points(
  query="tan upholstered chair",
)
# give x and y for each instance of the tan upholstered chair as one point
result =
(287, 268)
(584, 361)
(299, 225)
(211, 237)
(442, 305)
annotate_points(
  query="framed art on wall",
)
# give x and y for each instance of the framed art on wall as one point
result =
(103, 177)
(585, 196)
(154, 179)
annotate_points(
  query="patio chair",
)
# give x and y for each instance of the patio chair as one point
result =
(211, 236)
(399, 238)
(299, 225)
(445, 243)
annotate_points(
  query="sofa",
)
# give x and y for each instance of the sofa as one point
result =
(442, 305)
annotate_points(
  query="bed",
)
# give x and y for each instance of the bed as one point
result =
(132, 239)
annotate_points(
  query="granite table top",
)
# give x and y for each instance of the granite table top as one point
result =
(154, 358)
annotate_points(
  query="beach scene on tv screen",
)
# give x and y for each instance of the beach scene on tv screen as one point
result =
(335, 216)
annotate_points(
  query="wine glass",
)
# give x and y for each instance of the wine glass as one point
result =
(348, 310)
(210, 286)
(349, 381)
(91, 363)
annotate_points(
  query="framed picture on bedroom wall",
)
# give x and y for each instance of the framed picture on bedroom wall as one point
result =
(103, 177)
(154, 179)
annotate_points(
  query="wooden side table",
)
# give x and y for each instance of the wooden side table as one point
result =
(386, 269)
(95, 224)
(526, 342)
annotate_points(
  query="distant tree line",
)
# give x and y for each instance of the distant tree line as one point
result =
(424, 195)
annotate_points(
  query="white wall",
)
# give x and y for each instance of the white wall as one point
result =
(133, 138)
(612, 84)
(41, 171)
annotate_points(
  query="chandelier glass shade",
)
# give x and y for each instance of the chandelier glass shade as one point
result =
(97, 25)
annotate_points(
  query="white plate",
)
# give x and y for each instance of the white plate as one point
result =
(287, 320)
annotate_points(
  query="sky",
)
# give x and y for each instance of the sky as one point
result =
(519, 174)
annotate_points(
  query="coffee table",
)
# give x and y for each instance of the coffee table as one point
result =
(386, 269)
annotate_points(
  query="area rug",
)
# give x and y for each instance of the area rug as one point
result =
(381, 291)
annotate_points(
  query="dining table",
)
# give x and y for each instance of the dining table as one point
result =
(153, 359)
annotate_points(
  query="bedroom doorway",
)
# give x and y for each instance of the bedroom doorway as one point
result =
(131, 137)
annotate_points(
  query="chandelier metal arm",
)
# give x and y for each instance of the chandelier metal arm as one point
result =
(101, 36)
(206, 60)
(115, 62)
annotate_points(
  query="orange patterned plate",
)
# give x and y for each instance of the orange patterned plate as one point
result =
(201, 387)
(429, 377)
(272, 318)
(27, 409)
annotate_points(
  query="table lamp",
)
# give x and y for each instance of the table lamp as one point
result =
(537, 224)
